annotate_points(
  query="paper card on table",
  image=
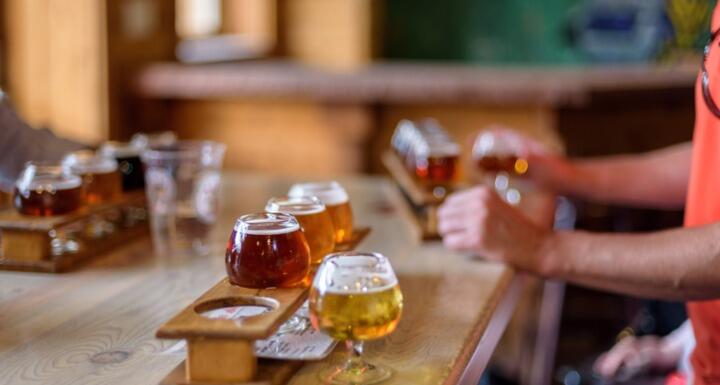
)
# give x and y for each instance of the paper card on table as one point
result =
(306, 345)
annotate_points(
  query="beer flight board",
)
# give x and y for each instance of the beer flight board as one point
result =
(65, 213)
(425, 163)
(59, 243)
(222, 350)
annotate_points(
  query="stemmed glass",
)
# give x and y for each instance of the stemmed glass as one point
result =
(499, 156)
(316, 224)
(355, 297)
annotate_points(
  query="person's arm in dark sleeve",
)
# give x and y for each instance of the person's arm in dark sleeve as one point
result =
(20, 143)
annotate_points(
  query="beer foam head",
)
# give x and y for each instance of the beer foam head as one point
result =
(355, 272)
(119, 150)
(39, 176)
(89, 162)
(266, 224)
(304, 205)
(330, 193)
(491, 143)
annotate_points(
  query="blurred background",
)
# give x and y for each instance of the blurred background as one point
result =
(315, 88)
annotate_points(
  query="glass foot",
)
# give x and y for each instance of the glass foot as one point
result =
(352, 373)
(294, 325)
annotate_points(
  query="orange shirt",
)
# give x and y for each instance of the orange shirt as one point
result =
(703, 207)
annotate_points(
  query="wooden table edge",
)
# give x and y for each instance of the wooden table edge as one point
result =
(472, 363)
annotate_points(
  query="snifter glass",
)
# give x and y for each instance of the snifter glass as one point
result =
(314, 220)
(101, 179)
(47, 189)
(499, 156)
(494, 152)
(355, 297)
(337, 202)
(267, 250)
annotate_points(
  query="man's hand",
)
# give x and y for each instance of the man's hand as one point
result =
(478, 221)
(636, 355)
(547, 169)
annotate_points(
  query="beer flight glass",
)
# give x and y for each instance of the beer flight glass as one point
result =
(499, 157)
(47, 189)
(316, 225)
(428, 152)
(314, 220)
(267, 250)
(355, 297)
(101, 179)
(436, 163)
(337, 202)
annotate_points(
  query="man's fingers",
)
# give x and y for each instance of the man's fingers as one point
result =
(452, 225)
(461, 212)
(610, 363)
(467, 196)
(459, 241)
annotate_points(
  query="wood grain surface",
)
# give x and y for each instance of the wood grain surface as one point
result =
(26, 240)
(97, 325)
(191, 323)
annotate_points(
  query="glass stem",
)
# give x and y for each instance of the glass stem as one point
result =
(354, 358)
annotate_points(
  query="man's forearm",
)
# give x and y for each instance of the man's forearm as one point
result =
(654, 179)
(20, 143)
(674, 264)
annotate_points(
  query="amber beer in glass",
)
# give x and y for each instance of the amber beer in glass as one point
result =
(495, 153)
(101, 180)
(46, 189)
(437, 163)
(314, 220)
(355, 297)
(267, 250)
(337, 202)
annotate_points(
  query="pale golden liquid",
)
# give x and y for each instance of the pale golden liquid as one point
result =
(356, 316)
(319, 233)
(342, 220)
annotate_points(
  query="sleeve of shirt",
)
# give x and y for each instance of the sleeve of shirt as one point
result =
(20, 143)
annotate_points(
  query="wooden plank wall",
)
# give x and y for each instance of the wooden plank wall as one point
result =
(56, 65)
(281, 136)
(332, 34)
(69, 62)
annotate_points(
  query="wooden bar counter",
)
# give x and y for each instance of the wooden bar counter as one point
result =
(96, 325)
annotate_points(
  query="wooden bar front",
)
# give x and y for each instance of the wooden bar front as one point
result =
(97, 324)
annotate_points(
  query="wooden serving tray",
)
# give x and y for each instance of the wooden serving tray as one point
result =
(59, 243)
(222, 350)
(423, 199)
(358, 235)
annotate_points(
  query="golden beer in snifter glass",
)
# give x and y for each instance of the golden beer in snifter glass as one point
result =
(337, 202)
(355, 297)
(314, 220)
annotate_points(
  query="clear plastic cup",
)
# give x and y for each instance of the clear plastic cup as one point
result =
(182, 183)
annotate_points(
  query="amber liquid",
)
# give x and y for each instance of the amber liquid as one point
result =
(102, 187)
(5, 200)
(342, 220)
(46, 203)
(436, 169)
(264, 261)
(356, 316)
(319, 233)
(509, 164)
